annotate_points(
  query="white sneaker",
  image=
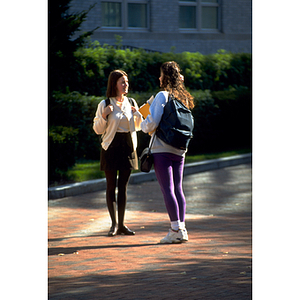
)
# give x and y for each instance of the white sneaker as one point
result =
(185, 236)
(172, 237)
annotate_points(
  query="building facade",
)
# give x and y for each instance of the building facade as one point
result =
(203, 26)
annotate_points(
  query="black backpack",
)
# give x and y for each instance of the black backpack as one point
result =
(176, 125)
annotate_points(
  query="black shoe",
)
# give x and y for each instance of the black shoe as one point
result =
(125, 230)
(112, 231)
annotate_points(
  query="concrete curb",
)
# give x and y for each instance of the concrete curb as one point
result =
(100, 184)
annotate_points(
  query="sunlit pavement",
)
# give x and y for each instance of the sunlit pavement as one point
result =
(216, 262)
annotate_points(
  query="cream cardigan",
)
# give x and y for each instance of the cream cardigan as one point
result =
(108, 127)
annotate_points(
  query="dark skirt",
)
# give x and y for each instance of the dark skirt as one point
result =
(119, 155)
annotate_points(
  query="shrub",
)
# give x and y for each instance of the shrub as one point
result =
(71, 136)
(222, 121)
(205, 131)
(214, 72)
(77, 111)
(235, 119)
(62, 143)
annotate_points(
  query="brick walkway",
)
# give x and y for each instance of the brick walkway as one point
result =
(216, 263)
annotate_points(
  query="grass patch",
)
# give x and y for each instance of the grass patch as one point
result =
(83, 171)
(88, 170)
(202, 157)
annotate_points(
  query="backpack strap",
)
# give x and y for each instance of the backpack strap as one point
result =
(107, 101)
(131, 101)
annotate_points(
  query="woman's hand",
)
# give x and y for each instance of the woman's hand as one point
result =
(107, 110)
(133, 109)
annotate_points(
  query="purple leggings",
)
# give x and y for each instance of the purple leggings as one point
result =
(169, 172)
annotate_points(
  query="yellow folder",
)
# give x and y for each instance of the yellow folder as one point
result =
(145, 108)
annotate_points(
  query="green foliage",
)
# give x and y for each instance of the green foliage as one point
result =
(77, 111)
(214, 72)
(205, 113)
(62, 143)
(235, 120)
(119, 41)
(84, 171)
(215, 155)
(222, 122)
(71, 135)
(63, 67)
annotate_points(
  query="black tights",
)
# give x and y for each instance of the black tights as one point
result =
(111, 183)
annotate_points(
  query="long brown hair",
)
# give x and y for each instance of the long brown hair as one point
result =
(112, 82)
(172, 82)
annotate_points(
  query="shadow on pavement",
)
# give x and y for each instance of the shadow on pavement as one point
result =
(196, 279)
(71, 250)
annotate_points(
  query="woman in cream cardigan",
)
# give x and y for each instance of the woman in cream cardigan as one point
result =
(117, 122)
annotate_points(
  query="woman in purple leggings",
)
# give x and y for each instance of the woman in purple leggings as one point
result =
(168, 160)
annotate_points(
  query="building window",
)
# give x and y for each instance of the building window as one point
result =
(199, 15)
(137, 15)
(187, 17)
(209, 18)
(111, 14)
(127, 14)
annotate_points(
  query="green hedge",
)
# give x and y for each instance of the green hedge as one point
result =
(71, 136)
(77, 111)
(223, 121)
(214, 72)
(62, 144)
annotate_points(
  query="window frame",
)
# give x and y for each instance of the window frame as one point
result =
(112, 27)
(124, 16)
(199, 4)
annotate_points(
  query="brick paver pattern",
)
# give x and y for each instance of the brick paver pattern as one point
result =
(216, 262)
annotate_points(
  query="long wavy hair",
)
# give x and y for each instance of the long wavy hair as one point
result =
(172, 82)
